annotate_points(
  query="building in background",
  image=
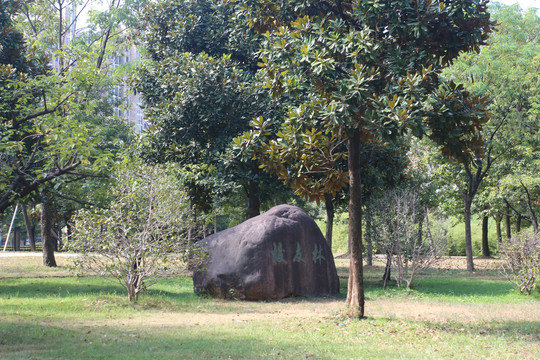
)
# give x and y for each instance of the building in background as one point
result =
(129, 106)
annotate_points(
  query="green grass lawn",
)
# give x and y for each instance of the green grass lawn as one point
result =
(450, 314)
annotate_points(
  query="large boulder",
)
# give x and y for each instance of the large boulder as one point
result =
(278, 254)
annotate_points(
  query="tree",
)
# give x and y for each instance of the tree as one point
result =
(142, 234)
(359, 70)
(398, 216)
(20, 93)
(467, 172)
(64, 121)
(507, 71)
(199, 92)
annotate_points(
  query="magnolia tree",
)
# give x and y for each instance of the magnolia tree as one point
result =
(360, 71)
(142, 235)
(398, 218)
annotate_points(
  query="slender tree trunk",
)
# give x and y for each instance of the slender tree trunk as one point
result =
(420, 234)
(329, 218)
(369, 239)
(485, 243)
(518, 223)
(254, 204)
(467, 201)
(499, 230)
(428, 231)
(103, 47)
(60, 35)
(29, 228)
(17, 238)
(47, 240)
(69, 232)
(387, 268)
(507, 221)
(355, 291)
(57, 234)
(532, 213)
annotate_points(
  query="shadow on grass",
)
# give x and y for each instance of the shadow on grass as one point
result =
(167, 294)
(25, 340)
(29, 340)
(445, 285)
(67, 287)
(461, 287)
(522, 330)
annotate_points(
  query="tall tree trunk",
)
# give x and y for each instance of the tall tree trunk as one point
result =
(17, 238)
(420, 234)
(467, 202)
(329, 205)
(498, 220)
(47, 240)
(355, 290)
(387, 268)
(532, 213)
(29, 228)
(507, 221)
(485, 243)
(369, 239)
(428, 230)
(60, 35)
(56, 233)
(518, 223)
(254, 204)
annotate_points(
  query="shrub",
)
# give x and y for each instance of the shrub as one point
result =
(521, 260)
(404, 232)
(142, 235)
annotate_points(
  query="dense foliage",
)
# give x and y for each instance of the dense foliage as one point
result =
(361, 70)
(199, 92)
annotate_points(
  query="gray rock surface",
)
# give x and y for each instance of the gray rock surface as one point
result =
(277, 254)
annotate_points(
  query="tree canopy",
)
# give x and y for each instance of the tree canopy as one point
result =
(199, 92)
(362, 70)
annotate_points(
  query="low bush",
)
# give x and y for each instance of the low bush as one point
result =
(521, 260)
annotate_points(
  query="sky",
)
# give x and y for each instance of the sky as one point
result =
(525, 4)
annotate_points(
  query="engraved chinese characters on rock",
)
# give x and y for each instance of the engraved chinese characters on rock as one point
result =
(278, 255)
(318, 256)
(298, 255)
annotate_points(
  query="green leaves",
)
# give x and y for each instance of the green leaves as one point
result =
(367, 68)
(143, 232)
(57, 125)
(200, 92)
(456, 118)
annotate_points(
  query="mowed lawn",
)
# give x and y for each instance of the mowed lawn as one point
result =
(48, 314)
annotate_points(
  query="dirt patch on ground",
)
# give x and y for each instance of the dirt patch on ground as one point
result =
(445, 263)
(460, 263)
(30, 265)
(244, 312)
(290, 310)
(446, 312)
